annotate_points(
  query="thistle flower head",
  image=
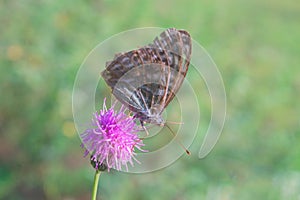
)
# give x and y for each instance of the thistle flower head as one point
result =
(112, 139)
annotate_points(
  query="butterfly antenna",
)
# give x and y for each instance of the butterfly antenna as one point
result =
(179, 142)
(171, 122)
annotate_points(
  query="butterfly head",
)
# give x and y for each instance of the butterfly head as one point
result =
(152, 115)
(157, 119)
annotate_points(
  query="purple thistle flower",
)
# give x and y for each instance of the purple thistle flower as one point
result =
(112, 140)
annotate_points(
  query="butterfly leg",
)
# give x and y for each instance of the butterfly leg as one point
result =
(142, 124)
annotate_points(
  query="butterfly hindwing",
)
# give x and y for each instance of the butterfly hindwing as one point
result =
(147, 79)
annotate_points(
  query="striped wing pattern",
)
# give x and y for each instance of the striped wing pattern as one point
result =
(147, 79)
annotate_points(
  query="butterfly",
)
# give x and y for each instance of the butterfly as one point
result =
(146, 79)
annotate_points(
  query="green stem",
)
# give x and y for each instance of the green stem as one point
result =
(95, 187)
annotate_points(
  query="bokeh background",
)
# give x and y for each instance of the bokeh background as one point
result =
(256, 47)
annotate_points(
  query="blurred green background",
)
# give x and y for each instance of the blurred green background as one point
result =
(255, 44)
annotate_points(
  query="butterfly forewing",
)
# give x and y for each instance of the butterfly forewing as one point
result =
(177, 47)
(147, 79)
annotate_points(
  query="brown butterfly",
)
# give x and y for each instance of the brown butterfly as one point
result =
(146, 80)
